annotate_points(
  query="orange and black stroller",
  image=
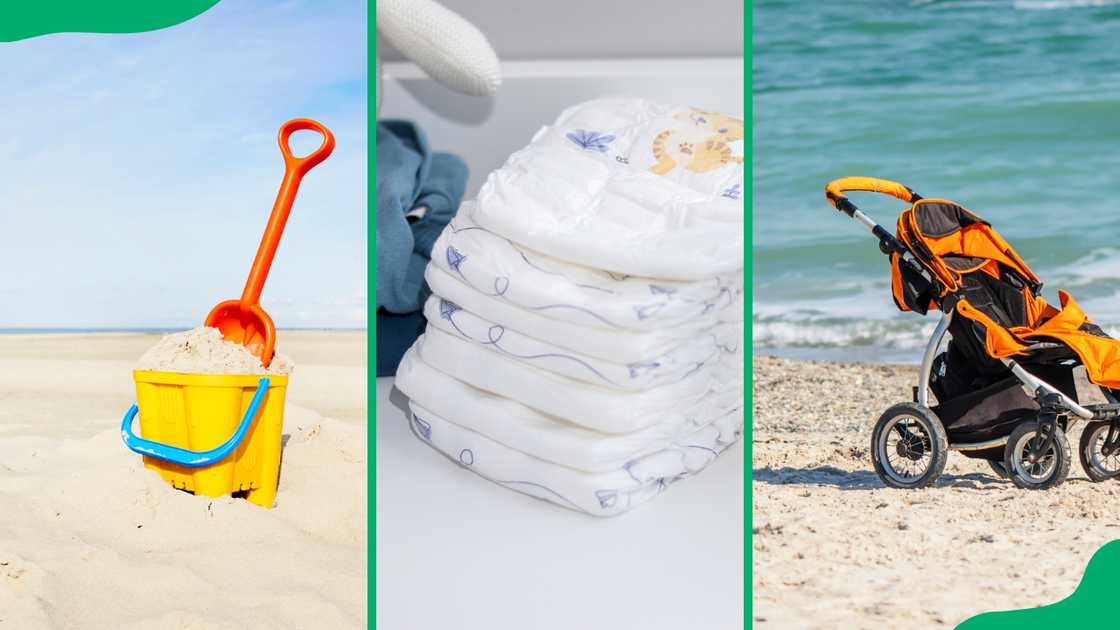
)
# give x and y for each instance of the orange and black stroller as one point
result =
(1004, 382)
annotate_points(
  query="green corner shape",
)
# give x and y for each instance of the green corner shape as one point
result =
(1083, 605)
(21, 19)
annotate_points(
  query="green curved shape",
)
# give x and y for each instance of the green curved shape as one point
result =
(21, 19)
(1084, 604)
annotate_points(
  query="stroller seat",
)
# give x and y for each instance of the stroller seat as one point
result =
(980, 276)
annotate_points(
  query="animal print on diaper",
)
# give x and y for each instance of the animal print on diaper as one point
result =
(702, 146)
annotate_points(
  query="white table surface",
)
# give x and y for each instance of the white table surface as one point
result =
(457, 552)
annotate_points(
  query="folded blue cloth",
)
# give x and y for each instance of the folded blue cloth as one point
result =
(409, 177)
(395, 335)
(418, 192)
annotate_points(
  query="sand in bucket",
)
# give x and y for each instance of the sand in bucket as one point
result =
(196, 394)
(202, 350)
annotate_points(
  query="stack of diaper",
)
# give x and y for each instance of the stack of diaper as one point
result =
(584, 339)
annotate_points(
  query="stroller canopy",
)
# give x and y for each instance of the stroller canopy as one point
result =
(975, 272)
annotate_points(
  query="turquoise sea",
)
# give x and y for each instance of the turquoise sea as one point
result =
(1011, 108)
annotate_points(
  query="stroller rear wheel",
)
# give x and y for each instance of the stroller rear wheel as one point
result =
(909, 446)
(1099, 458)
(1034, 461)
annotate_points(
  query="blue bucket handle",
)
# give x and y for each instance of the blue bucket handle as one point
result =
(182, 456)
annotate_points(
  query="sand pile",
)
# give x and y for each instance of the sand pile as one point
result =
(202, 350)
(91, 539)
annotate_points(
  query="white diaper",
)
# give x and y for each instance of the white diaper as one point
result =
(654, 372)
(591, 406)
(599, 494)
(499, 268)
(627, 186)
(617, 346)
(546, 437)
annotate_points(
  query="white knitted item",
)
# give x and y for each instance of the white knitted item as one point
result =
(446, 46)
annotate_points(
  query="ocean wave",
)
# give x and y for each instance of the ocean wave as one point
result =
(1092, 278)
(893, 334)
(856, 307)
(1098, 265)
(898, 334)
(957, 3)
(1053, 5)
(1022, 5)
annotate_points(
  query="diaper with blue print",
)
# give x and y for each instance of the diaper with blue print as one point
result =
(584, 339)
(627, 186)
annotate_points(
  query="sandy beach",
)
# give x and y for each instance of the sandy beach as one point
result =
(89, 538)
(834, 548)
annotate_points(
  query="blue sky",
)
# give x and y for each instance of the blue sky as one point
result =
(137, 171)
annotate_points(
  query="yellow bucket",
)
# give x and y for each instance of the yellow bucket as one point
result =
(211, 434)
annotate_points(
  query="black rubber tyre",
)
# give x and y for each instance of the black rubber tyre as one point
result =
(998, 468)
(916, 457)
(1049, 471)
(1091, 458)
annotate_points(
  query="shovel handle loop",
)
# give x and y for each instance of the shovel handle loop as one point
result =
(185, 457)
(306, 163)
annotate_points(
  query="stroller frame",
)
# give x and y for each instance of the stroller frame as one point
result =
(1030, 441)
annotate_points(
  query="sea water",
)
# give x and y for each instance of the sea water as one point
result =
(1010, 108)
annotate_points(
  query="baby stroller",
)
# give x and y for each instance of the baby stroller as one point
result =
(1004, 382)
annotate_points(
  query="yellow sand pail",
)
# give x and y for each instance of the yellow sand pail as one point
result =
(211, 434)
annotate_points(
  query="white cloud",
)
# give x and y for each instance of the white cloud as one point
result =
(137, 171)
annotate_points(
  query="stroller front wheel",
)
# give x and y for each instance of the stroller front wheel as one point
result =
(909, 446)
(1033, 462)
(1099, 458)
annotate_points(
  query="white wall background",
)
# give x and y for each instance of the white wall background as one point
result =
(596, 29)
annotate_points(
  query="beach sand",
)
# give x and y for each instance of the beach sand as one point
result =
(89, 538)
(834, 548)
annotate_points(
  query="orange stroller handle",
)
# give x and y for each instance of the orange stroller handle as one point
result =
(836, 188)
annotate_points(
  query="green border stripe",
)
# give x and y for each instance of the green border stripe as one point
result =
(371, 337)
(748, 306)
(1088, 605)
(22, 19)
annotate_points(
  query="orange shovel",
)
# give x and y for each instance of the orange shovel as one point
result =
(244, 321)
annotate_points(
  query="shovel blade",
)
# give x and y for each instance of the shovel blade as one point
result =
(248, 325)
